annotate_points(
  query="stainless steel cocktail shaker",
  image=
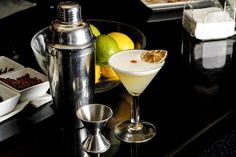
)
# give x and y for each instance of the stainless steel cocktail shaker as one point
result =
(70, 51)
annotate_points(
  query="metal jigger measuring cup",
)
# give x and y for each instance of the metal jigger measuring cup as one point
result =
(94, 117)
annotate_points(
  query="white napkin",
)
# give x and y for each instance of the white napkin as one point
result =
(209, 23)
(39, 101)
(9, 7)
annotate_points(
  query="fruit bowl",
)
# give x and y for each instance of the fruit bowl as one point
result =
(106, 26)
(104, 83)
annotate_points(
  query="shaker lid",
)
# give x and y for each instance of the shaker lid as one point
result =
(69, 29)
(69, 12)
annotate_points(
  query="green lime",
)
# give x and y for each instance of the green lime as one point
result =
(95, 30)
(105, 47)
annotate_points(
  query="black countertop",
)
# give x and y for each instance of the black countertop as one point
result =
(191, 100)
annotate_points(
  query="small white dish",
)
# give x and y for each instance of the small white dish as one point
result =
(10, 99)
(8, 65)
(19, 107)
(33, 91)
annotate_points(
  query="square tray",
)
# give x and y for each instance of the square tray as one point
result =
(164, 5)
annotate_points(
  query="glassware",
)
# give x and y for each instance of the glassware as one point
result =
(136, 70)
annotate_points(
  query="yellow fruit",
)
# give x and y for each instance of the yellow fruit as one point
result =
(97, 73)
(108, 72)
(105, 47)
(124, 42)
(95, 30)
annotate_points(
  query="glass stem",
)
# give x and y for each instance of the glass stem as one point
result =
(135, 110)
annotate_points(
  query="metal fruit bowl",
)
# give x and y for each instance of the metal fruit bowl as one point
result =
(105, 26)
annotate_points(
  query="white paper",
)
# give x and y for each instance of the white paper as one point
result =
(209, 23)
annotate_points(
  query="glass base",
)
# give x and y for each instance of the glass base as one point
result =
(128, 132)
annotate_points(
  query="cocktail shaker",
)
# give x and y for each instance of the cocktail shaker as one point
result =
(70, 56)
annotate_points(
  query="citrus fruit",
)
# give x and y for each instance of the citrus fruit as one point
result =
(108, 72)
(105, 47)
(124, 41)
(95, 30)
(97, 73)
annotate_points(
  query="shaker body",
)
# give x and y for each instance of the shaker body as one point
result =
(71, 76)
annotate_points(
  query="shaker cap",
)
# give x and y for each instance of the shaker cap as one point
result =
(69, 12)
(69, 29)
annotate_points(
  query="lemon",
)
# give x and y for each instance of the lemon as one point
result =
(95, 30)
(124, 41)
(105, 47)
(97, 73)
(108, 72)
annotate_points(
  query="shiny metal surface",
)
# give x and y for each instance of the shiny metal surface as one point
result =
(69, 12)
(69, 31)
(94, 118)
(70, 59)
(96, 144)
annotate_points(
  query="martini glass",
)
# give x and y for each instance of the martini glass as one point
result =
(136, 69)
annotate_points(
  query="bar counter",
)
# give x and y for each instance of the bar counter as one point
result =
(191, 101)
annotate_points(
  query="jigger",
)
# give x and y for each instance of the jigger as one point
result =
(94, 117)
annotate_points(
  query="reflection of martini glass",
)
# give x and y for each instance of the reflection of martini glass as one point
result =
(135, 74)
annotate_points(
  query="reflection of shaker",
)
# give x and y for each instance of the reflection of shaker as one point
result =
(70, 49)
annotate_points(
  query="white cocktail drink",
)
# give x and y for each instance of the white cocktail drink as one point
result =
(136, 69)
(134, 73)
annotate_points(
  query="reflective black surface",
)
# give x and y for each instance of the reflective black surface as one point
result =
(190, 101)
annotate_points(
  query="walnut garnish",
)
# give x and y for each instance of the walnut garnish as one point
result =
(154, 56)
